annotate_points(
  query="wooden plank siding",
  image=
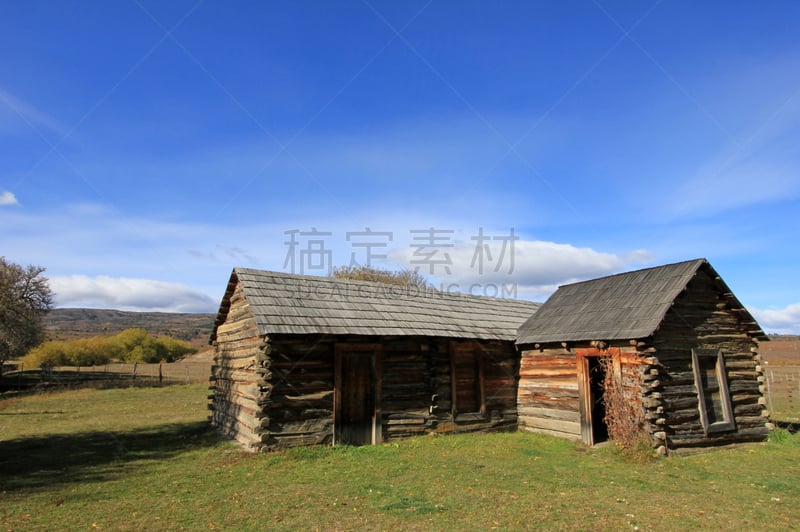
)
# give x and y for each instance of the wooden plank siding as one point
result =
(548, 398)
(554, 396)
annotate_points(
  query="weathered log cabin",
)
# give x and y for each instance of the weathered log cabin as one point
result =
(303, 360)
(681, 345)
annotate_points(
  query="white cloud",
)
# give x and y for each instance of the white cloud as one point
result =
(8, 198)
(538, 268)
(128, 294)
(779, 321)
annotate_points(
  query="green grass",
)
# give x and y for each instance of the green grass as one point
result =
(143, 458)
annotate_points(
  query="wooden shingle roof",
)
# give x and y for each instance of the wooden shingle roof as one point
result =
(285, 303)
(628, 306)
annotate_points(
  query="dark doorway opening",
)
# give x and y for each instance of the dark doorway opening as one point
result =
(597, 377)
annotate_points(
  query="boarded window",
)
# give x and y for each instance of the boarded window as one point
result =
(466, 359)
(714, 402)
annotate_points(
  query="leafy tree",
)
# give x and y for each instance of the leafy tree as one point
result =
(367, 273)
(25, 297)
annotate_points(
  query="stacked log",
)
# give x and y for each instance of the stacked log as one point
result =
(702, 317)
(301, 402)
(240, 376)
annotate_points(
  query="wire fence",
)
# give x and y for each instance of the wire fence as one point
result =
(109, 374)
(783, 392)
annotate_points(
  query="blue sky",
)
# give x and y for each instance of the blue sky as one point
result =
(146, 148)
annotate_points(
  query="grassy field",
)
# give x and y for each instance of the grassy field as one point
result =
(143, 458)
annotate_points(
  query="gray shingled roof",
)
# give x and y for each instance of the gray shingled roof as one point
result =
(285, 303)
(624, 306)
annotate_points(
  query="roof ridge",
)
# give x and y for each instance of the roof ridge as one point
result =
(699, 262)
(286, 303)
(379, 284)
(591, 309)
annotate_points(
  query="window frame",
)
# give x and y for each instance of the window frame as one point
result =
(727, 423)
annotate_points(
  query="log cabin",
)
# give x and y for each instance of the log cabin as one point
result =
(681, 345)
(303, 360)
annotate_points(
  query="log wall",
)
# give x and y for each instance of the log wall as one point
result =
(300, 407)
(239, 378)
(279, 392)
(500, 376)
(704, 317)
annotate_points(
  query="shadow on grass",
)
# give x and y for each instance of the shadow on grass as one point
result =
(44, 461)
(791, 428)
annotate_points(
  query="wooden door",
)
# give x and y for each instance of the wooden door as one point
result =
(356, 395)
(466, 378)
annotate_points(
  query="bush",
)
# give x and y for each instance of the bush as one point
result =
(625, 416)
(46, 355)
(131, 345)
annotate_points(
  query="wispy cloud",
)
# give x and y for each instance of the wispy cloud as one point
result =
(716, 189)
(17, 115)
(8, 198)
(758, 160)
(128, 294)
(779, 321)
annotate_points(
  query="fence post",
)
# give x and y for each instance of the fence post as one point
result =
(135, 365)
(160, 376)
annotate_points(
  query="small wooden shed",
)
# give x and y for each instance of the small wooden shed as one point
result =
(303, 360)
(682, 346)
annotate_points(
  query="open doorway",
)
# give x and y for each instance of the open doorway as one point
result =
(597, 379)
(591, 384)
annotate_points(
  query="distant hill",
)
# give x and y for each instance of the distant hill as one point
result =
(69, 323)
